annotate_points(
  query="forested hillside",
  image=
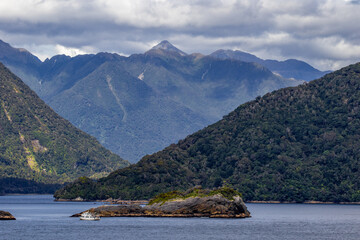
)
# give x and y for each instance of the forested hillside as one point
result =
(37, 144)
(295, 144)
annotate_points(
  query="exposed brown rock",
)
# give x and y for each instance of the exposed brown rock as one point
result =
(6, 216)
(213, 206)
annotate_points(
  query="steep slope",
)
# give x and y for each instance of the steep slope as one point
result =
(124, 113)
(164, 94)
(17, 56)
(165, 46)
(22, 63)
(37, 144)
(290, 68)
(294, 144)
(208, 86)
(61, 72)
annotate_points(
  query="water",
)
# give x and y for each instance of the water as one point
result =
(38, 217)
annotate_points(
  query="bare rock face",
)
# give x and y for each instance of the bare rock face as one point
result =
(6, 216)
(215, 206)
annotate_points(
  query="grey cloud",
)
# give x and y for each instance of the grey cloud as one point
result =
(281, 28)
(354, 2)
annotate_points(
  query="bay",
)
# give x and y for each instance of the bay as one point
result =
(39, 217)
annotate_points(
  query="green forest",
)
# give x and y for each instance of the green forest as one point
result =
(39, 147)
(295, 144)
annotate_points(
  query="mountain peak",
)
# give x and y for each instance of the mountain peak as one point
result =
(167, 46)
(4, 46)
(15, 56)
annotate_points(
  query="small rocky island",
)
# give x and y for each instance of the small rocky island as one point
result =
(6, 216)
(219, 203)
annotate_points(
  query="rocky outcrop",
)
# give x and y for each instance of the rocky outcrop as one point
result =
(215, 206)
(6, 216)
(212, 206)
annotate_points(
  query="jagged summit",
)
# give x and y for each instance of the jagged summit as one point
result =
(167, 46)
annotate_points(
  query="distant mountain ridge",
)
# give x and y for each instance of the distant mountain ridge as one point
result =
(139, 104)
(290, 68)
(38, 147)
(295, 144)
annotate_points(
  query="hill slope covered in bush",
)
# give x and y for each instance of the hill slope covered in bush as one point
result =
(37, 144)
(294, 144)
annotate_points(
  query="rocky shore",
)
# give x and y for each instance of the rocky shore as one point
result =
(6, 216)
(216, 206)
(305, 202)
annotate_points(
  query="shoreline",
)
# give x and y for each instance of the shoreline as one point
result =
(305, 202)
(144, 202)
(26, 194)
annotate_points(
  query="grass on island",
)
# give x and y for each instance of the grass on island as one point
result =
(226, 192)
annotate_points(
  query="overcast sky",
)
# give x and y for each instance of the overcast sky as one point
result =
(325, 33)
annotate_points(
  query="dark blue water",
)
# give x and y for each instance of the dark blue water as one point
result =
(38, 217)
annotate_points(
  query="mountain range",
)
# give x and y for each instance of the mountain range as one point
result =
(290, 68)
(39, 150)
(139, 104)
(294, 144)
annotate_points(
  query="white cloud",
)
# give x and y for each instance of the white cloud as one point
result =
(69, 51)
(48, 50)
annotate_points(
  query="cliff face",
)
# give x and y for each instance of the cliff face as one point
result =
(215, 206)
(6, 216)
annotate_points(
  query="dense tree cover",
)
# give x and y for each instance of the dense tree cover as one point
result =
(23, 186)
(294, 144)
(37, 144)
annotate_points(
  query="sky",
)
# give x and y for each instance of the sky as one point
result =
(324, 33)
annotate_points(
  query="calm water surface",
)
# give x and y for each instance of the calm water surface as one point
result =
(39, 217)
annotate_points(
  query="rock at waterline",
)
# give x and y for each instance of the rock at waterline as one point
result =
(217, 205)
(6, 216)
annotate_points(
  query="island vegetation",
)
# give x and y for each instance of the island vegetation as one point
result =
(197, 191)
